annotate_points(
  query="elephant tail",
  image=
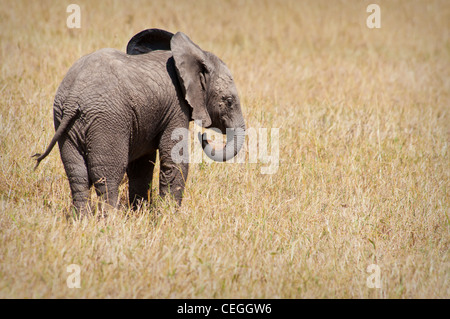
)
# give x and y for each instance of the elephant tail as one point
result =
(65, 121)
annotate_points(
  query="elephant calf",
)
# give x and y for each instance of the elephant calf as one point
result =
(114, 110)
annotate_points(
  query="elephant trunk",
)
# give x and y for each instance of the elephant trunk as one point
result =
(235, 140)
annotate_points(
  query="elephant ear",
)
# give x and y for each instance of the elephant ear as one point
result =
(192, 70)
(149, 40)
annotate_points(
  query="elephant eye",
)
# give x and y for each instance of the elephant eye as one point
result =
(229, 102)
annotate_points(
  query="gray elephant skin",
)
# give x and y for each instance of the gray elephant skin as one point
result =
(114, 110)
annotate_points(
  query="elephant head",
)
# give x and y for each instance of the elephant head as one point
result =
(207, 85)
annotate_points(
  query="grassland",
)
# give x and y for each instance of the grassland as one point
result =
(363, 176)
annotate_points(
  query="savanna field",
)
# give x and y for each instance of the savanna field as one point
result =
(363, 174)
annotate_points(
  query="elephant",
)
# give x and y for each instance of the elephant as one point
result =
(113, 111)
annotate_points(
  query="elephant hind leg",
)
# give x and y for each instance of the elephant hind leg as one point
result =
(140, 175)
(106, 180)
(106, 172)
(77, 173)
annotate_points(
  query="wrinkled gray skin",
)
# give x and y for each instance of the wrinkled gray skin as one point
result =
(113, 111)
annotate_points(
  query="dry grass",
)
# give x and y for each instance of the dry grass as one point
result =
(364, 160)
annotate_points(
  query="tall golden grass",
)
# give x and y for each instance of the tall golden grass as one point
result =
(364, 162)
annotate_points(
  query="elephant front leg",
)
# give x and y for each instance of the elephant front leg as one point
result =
(172, 179)
(173, 173)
